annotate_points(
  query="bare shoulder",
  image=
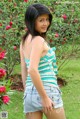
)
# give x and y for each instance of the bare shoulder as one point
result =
(38, 40)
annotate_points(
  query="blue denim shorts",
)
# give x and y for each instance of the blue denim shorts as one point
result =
(32, 100)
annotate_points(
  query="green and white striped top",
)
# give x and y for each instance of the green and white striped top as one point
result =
(47, 68)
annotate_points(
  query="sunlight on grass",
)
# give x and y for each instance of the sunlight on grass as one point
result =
(70, 93)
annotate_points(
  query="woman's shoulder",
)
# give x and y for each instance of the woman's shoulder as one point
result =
(38, 40)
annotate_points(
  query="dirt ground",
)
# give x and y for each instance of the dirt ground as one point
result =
(17, 82)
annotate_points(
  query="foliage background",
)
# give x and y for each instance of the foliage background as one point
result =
(67, 43)
(68, 29)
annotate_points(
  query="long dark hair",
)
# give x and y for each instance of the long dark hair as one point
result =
(32, 12)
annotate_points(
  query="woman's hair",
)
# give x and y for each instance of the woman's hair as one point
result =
(32, 12)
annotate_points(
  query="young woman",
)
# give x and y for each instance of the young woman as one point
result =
(38, 67)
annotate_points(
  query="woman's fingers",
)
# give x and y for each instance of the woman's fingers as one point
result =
(48, 108)
(47, 104)
(53, 104)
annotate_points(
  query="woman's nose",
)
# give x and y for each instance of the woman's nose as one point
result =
(45, 23)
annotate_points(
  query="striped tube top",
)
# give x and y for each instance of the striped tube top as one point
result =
(47, 68)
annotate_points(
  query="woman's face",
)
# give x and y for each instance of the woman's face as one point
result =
(42, 23)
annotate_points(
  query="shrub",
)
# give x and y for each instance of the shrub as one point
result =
(64, 30)
(4, 98)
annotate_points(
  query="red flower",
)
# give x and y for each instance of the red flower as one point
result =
(0, 24)
(15, 4)
(5, 99)
(64, 39)
(2, 73)
(56, 35)
(15, 47)
(63, 42)
(64, 16)
(0, 49)
(2, 89)
(11, 23)
(51, 40)
(25, 0)
(2, 55)
(8, 27)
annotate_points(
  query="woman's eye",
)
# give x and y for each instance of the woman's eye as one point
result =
(41, 20)
(47, 19)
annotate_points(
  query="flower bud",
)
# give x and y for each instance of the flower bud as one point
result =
(8, 27)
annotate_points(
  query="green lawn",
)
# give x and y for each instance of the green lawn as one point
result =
(71, 93)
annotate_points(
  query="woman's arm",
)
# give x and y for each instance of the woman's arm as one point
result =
(24, 72)
(37, 48)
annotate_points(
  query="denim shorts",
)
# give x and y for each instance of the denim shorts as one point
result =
(32, 100)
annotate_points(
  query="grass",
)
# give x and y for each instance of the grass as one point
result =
(15, 108)
(70, 93)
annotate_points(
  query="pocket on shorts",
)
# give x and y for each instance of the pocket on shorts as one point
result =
(36, 101)
(38, 98)
(52, 94)
(55, 95)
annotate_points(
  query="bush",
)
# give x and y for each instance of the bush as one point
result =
(4, 98)
(64, 30)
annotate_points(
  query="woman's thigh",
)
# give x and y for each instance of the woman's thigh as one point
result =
(34, 115)
(57, 113)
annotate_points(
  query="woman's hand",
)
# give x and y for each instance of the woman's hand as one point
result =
(47, 104)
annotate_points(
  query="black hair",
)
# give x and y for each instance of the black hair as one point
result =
(32, 12)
